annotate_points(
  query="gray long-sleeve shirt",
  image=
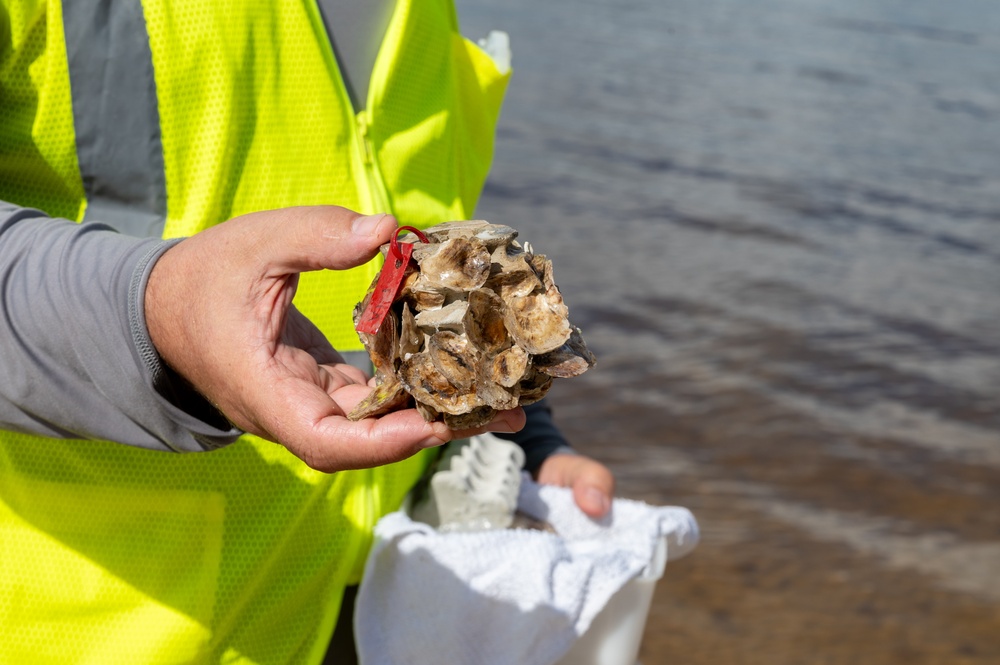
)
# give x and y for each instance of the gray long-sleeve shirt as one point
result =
(76, 357)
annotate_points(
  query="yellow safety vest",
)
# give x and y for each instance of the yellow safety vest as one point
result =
(115, 554)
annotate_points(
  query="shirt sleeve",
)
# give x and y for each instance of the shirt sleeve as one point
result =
(76, 355)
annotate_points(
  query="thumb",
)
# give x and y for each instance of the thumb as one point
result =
(592, 483)
(323, 237)
(593, 489)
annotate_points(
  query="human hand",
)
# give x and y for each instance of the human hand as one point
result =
(219, 312)
(592, 483)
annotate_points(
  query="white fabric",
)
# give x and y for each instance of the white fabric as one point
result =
(504, 597)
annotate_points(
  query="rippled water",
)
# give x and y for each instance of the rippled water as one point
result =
(778, 224)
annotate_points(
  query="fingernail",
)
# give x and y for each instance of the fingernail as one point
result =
(440, 434)
(501, 425)
(508, 422)
(597, 499)
(366, 226)
(433, 442)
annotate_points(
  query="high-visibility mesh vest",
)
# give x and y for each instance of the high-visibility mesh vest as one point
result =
(116, 554)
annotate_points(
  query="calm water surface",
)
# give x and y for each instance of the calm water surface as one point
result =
(778, 224)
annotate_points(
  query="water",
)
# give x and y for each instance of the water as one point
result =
(778, 224)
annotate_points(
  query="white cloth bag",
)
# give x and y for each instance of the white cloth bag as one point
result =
(508, 596)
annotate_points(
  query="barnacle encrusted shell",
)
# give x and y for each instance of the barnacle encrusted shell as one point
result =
(479, 326)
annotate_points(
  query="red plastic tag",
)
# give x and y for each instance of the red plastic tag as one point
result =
(389, 281)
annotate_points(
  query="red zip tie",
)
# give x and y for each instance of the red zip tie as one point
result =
(389, 281)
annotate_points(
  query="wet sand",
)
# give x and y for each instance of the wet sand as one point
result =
(778, 224)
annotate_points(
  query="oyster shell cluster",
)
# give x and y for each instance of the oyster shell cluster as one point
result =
(478, 326)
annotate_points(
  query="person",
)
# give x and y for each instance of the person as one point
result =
(153, 326)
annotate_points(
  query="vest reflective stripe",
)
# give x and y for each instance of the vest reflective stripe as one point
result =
(115, 114)
(113, 554)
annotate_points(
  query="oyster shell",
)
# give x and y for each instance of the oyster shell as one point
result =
(479, 326)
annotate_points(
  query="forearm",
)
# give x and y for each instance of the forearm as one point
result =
(76, 356)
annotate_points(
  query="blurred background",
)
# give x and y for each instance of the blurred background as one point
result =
(778, 225)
